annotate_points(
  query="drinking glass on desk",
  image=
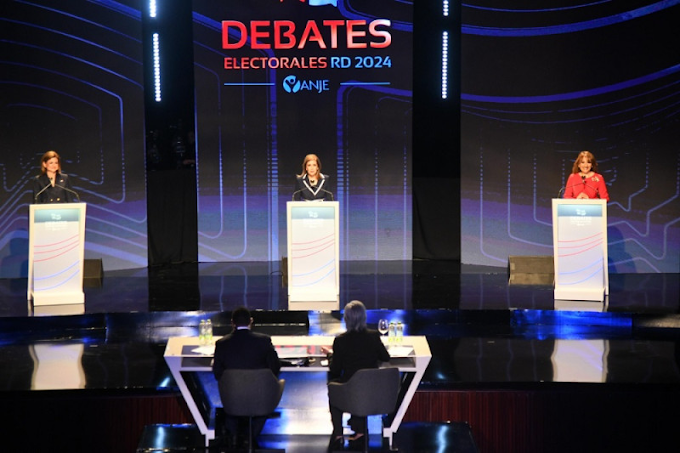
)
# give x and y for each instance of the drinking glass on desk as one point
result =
(383, 326)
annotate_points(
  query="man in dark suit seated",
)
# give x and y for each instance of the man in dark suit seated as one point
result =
(244, 350)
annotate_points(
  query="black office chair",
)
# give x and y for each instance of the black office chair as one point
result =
(368, 392)
(250, 393)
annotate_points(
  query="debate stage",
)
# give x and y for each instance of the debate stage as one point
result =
(512, 370)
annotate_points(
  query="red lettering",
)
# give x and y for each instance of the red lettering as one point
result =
(284, 29)
(256, 33)
(373, 30)
(225, 34)
(311, 33)
(352, 34)
(281, 34)
(333, 25)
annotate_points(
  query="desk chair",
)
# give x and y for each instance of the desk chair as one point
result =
(250, 393)
(368, 392)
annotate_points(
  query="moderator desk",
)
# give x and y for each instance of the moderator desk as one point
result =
(298, 354)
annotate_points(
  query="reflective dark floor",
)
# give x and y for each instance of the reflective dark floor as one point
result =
(391, 285)
(482, 330)
(417, 437)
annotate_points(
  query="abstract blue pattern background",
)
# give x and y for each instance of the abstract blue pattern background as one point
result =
(254, 129)
(539, 85)
(71, 80)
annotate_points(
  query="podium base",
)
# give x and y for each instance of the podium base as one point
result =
(57, 310)
(313, 305)
(41, 298)
(313, 300)
(595, 294)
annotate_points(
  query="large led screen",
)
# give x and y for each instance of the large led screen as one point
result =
(71, 80)
(541, 84)
(278, 79)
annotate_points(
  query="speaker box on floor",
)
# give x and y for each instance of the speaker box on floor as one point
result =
(93, 273)
(531, 270)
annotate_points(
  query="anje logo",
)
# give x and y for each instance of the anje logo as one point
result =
(291, 84)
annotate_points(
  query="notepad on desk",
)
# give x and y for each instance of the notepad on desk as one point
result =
(400, 351)
(291, 352)
(299, 351)
(208, 349)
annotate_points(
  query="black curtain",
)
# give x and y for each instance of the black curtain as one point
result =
(436, 134)
(172, 223)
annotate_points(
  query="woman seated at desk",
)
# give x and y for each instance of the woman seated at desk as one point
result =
(353, 350)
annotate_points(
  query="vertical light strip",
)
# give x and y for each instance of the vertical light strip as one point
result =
(445, 65)
(156, 68)
(446, 8)
(152, 8)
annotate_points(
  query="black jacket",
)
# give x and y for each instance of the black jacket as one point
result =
(304, 190)
(356, 350)
(245, 350)
(62, 192)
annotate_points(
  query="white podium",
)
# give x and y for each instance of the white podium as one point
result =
(313, 251)
(56, 251)
(580, 249)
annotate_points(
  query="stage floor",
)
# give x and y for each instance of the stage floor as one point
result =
(412, 285)
(480, 328)
(483, 332)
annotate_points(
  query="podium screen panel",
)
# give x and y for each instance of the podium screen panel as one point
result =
(580, 248)
(56, 240)
(580, 245)
(313, 250)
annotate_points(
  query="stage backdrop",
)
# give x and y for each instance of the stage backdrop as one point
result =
(538, 86)
(71, 81)
(278, 79)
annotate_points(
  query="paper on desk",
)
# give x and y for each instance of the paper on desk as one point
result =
(208, 349)
(400, 351)
(292, 352)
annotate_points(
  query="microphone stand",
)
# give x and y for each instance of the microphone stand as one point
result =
(69, 190)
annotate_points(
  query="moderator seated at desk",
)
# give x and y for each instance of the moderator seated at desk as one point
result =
(298, 354)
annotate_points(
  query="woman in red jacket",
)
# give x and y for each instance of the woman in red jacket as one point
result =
(585, 181)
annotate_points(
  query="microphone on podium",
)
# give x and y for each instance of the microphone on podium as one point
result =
(41, 191)
(563, 189)
(329, 193)
(69, 190)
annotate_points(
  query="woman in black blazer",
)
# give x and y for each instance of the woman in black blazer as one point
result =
(356, 349)
(51, 185)
(311, 184)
